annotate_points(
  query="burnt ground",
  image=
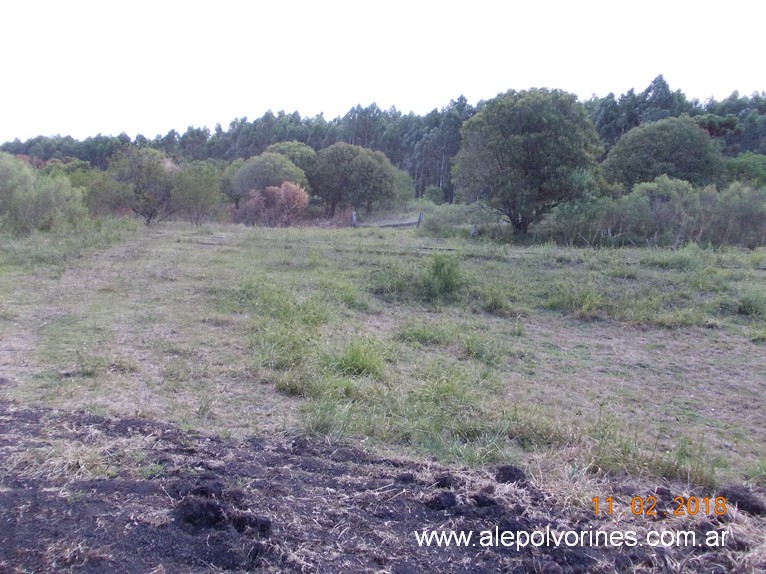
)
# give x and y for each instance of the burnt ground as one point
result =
(80, 493)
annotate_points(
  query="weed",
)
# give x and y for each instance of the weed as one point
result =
(481, 348)
(495, 301)
(584, 300)
(57, 248)
(392, 279)
(205, 408)
(443, 276)
(359, 358)
(89, 365)
(689, 258)
(456, 388)
(281, 347)
(517, 330)
(757, 473)
(752, 303)
(426, 334)
(74, 460)
(328, 416)
(349, 295)
(151, 471)
(268, 300)
(615, 450)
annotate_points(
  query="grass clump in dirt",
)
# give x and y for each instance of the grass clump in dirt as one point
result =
(359, 358)
(427, 334)
(583, 300)
(443, 276)
(613, 449)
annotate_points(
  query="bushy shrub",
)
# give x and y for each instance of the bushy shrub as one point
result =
(31, 202)
(16, 178)
(667, 212)
(250, 210)
(197, 192)
(274, 206)
(435, 194)
(443, 276)
(450, 220)
(392, 279)
(358, 359)
(284, 204)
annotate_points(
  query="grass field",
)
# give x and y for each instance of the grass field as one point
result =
(569, 362)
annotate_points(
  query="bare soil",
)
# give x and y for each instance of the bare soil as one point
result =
(141, 496)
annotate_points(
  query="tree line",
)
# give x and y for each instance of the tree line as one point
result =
(422, 145)
(524, 155)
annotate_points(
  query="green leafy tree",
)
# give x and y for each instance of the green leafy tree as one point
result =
(16, 178)
(404, 189)
(299, 153)
(372, 179)
(148, 178)
(719, 126)
(31, 201)
(435, 194)
(53, 204)
(676, 147)
(349, 174)
(266, 170)
(192, 145)
(525, 153)
(102, 194)
(332, 179)
(227, 182)
(198, 191)
(749, 168)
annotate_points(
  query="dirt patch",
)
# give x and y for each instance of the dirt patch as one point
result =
(187, 502)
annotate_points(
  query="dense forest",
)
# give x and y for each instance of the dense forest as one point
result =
(641, 136)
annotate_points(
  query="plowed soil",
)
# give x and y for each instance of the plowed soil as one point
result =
(86, 494)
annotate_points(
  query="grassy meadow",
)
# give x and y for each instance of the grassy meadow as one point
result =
(569, 362)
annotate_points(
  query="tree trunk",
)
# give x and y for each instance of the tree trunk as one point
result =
(520, 226)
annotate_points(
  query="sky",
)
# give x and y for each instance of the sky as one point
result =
(85, 67)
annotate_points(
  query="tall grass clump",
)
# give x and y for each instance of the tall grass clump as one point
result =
(442, 277)
(584, 300)
(58, 246)
(688, 258)
(392, 279)
(752, 303)
(263, 299)
(615, 450)
(358, 359)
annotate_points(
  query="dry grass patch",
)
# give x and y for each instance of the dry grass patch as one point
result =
(240, 330)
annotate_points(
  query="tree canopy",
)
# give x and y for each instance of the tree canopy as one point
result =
(148, 178)
(299, 153)
(525, 153)
(349, 174)
(643, 133)
(676, 147)
(198, 190)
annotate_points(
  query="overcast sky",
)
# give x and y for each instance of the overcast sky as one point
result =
(86, 67)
